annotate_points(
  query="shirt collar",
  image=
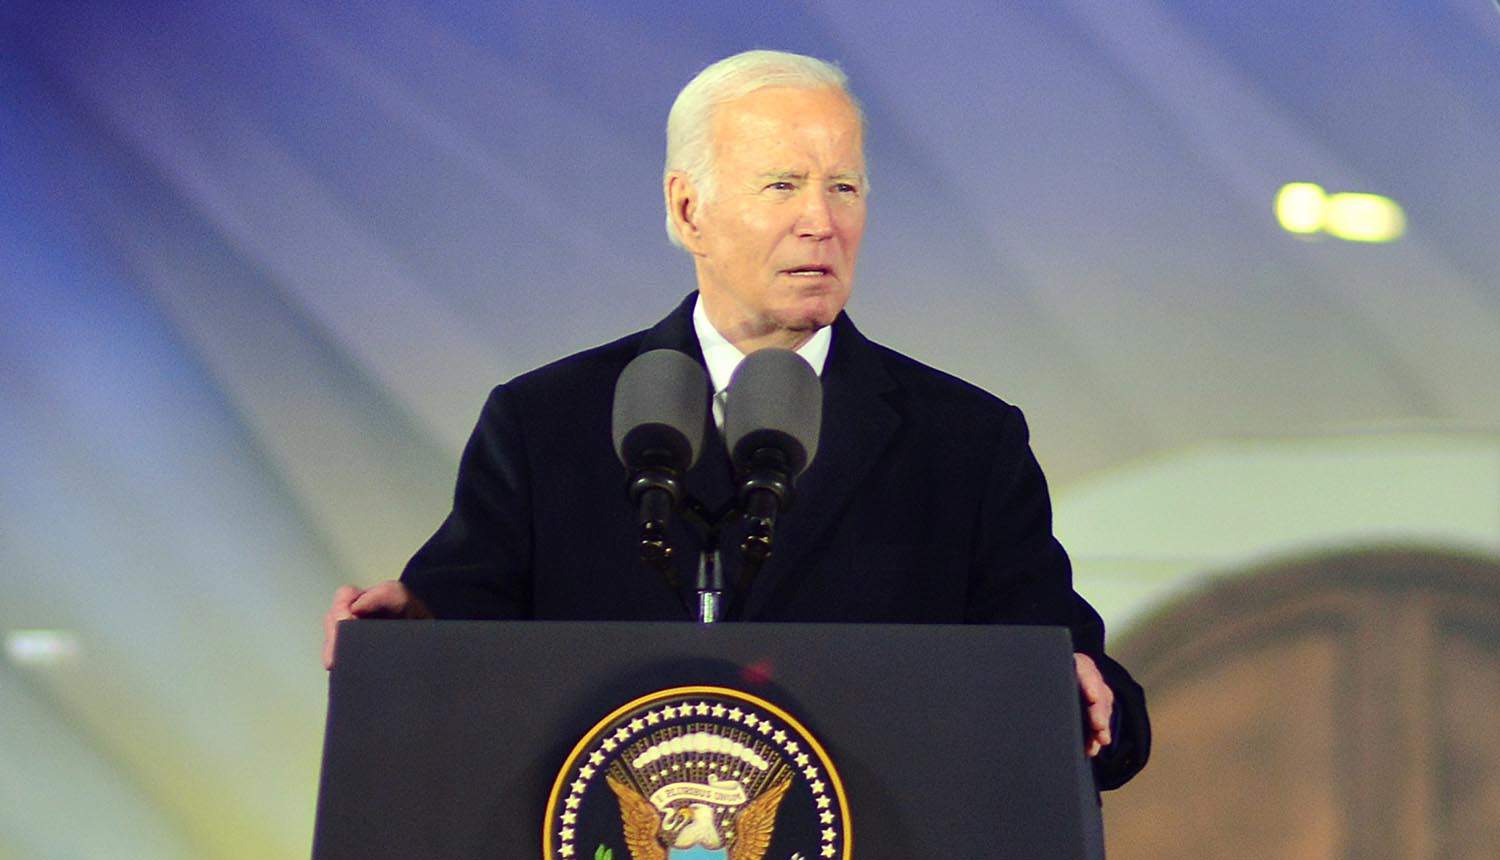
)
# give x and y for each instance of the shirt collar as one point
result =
(722, 357)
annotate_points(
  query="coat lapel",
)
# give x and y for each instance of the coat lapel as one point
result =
(858, 425)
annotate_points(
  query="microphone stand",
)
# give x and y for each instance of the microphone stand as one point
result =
(710, 584)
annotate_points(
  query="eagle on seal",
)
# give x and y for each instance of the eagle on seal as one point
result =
(690, 832)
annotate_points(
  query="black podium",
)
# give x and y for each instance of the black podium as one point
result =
(444, 739)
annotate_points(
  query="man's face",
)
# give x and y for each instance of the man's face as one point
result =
(776, 246)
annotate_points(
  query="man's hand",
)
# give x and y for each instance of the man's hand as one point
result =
(1100, 700)
(389, 599)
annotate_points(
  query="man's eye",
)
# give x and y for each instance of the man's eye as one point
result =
(846, 188)
(780, 186)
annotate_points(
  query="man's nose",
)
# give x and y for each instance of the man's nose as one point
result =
(816, 219)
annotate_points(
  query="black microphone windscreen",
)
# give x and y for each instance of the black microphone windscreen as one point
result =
(661, 402)
(775, 400)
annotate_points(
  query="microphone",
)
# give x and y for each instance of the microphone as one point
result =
(661, 402)
(771, 424)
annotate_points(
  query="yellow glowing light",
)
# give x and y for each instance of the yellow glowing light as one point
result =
(1365, 218)
(1300, 207)
(1305, 208)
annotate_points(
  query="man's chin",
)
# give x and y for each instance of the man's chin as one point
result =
(812, 314)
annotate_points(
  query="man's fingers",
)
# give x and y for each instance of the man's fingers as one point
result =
(1100, 700)
(1099, 721)
(340, 610)
(328, 637)
(389, 598)
(1090, 681)
(1099, 737)
(343, 597)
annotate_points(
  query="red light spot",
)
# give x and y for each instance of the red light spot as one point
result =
(758, 673)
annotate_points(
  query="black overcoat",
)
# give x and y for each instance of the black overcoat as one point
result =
(924, 504)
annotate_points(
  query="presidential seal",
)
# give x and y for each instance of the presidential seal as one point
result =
(697, 773)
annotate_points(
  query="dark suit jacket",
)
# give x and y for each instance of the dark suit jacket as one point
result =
(924, 504)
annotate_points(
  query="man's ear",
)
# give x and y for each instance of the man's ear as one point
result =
(683, 208)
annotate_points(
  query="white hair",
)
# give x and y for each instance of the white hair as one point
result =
(689, 124)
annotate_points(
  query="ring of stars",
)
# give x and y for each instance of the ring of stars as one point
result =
(653, 721)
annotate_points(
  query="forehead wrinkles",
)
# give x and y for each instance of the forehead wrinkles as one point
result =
(768, 139)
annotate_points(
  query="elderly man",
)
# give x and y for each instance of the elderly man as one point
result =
(924, 504)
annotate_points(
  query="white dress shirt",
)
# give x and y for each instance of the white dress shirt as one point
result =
(723, 357)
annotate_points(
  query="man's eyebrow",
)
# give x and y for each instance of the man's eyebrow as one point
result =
(846, 176)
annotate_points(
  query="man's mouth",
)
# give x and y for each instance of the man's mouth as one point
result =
(809, 271)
